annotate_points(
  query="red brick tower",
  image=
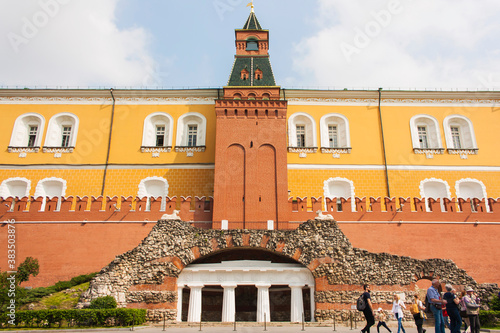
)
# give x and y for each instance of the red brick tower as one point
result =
(251, 185)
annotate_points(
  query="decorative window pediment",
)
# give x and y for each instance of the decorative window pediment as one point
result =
(302, 133)
(62, 132)
(425, 135)
(27, 133)
(459, 135)
(191, 131)
(157, 133)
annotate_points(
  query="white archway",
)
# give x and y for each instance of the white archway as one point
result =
(28, 131)
(468, 188)
(155, 187)
(434, 188)
(309, 130)
(338, 187)
(51, 187)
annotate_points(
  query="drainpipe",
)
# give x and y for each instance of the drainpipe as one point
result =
(383, 141)
(109, 142)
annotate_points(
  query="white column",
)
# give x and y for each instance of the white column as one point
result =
(297, 306)
(179, 302)
(263, 303)
(313, 304)
(194, 312)
(228, 303)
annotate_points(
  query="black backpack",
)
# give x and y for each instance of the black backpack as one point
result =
(361, 303)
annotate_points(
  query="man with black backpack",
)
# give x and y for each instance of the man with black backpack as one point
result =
(368, 309)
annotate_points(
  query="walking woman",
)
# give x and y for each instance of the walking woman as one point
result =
(397, 309)
(418, 313)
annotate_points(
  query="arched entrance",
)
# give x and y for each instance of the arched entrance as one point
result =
(245, 290)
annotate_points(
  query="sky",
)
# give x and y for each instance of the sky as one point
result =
(316, 44)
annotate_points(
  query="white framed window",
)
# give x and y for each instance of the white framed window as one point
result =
(62, 131)
(338, 187)
(192, 135)
(468, 188)
(191, 130)
(436, 189)
(301, 135)
(423, 139)
(425, 132)
(51, 187)
(153, 187)
(157, 130)
(306, 126)
(27, 131)
(66, 136)
(334, 130)
(459, 132)
(160, 135)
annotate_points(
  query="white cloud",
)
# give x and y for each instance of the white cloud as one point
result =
(70, 43)
(402, 44)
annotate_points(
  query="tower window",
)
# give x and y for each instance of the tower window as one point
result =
(192, 135)
(422, 137)
(301, 135)
(244, 74)
(455, 135)
(258, 74)
(66, 136)
(160, 135)
(333, 136)
(32, 135)
(252, 45)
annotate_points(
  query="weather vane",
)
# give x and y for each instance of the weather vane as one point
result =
(251, 4)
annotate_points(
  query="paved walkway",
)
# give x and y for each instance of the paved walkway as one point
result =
(243, 328)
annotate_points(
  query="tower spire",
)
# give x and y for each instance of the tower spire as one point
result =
(252, 8)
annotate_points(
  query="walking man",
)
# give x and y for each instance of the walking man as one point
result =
(436, 304)
(368, 311)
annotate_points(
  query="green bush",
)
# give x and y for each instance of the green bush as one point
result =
(61, 285)
(489, 318)
(495, 303)
(82, 279)
(105, 302)
(78, 317)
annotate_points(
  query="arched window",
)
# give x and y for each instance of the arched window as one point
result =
(28, 131)
(62, 131)
(153, 187)
(459, 133)
(252, 44)
(339, 188)
(301, 131)
(334, 129)
(425, 132)
(244, 74)
(157, 130)
(191, 130)
(258, 74)
(471, 189)
(51, 187)
(436, 189)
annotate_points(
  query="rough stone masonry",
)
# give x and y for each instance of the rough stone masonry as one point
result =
(146, 276)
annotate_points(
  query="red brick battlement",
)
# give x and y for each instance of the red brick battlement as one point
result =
(114, 209)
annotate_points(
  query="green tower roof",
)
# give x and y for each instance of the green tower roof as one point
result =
(252, 23)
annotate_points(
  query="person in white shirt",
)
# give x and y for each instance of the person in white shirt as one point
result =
(397, 309)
